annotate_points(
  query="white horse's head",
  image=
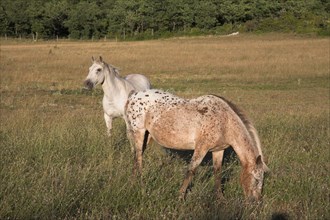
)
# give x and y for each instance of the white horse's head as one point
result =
(96, 74)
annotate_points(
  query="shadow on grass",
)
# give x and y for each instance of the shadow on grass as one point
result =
(186, 155)
(228, 158)
(280, 216)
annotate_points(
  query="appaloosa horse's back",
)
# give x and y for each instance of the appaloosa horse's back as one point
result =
(207, 123)
(115, 88)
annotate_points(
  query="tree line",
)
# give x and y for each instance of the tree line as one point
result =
(144, 19)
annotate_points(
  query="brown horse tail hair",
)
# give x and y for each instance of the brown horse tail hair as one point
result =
(250, 128)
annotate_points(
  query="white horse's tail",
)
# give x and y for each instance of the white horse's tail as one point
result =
(251, 129)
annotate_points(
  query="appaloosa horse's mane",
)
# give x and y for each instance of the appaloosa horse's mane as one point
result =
(249, 126)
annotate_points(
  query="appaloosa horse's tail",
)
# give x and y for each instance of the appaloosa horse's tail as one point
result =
(251, 129)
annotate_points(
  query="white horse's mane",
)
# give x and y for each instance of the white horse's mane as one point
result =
(113, 69)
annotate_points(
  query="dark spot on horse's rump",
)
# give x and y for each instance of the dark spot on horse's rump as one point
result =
(203, 110)
(141, 103)
(139, 98)
(147, 95)
(157, 92)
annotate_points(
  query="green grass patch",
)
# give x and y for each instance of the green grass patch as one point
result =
(68, 168)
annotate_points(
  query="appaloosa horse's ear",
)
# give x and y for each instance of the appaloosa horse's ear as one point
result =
(101, 59)
(259, 162)
(93, 59)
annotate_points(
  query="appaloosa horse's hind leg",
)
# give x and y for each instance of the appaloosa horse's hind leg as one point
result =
(217, 157)
(196, 160)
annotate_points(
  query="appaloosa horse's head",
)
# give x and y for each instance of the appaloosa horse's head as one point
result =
(252, 181)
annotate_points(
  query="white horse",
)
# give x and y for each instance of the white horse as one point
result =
(115, 88)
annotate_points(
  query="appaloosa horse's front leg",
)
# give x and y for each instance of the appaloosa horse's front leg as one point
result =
(108, 122)
(139, 147)
(196, 160)
(217, 157)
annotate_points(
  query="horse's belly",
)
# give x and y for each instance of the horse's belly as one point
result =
(173, 141)
(173, 132)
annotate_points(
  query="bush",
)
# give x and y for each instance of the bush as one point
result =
(288, 22)
(226, 29)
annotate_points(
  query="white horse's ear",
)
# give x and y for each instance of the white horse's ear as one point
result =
(101, 59)
(93, 59)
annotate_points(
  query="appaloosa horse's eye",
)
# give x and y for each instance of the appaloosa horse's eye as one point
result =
(99, 70)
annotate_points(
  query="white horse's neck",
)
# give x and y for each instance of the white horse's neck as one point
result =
(112, 84)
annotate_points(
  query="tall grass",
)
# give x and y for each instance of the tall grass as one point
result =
(57, 163)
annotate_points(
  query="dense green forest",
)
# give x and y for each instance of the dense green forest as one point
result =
(145, 19)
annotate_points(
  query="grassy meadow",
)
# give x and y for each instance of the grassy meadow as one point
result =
(56, 161)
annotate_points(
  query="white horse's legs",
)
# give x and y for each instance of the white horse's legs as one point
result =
(108, 122)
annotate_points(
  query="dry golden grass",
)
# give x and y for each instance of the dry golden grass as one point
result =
(227, 66)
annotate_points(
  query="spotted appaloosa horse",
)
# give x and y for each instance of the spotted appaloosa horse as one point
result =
(207, 123)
